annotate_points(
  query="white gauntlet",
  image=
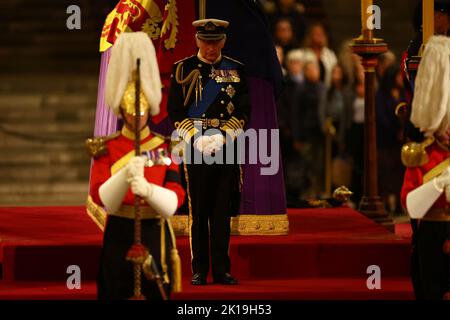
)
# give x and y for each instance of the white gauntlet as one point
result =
(421, 199)
(114, 190)
(162, 200)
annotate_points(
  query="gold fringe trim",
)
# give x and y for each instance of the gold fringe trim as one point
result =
(96, 213)
(175, 261)
(163, 250)
(248, 224)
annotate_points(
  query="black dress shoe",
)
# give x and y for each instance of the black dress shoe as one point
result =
(198, 279)
(226, 279)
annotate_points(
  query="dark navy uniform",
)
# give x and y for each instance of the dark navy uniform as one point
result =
(206, 96)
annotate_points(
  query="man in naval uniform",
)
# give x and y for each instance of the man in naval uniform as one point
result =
(209, 106)
(118, 176)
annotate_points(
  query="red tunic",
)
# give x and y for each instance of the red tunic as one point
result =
(414, 175)
(162, 175)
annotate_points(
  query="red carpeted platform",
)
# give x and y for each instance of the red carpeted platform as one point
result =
(325, 256)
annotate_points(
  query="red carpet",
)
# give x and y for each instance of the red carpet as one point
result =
(325, 256)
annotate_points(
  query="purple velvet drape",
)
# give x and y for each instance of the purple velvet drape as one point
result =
(105, 121)
(262, 194)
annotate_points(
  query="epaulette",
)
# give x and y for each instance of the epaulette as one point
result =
(414, 154)
(176, 62)
(234, 60)
(96, 147)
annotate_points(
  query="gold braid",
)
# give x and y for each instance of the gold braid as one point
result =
(193, 79)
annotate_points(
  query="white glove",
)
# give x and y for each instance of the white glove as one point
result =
(140, 187)
(209, 144)
(443, 180)
(113, 191)
(135, 167)
(219, 141)
(421, 199)
(201, 143)
(162, 200)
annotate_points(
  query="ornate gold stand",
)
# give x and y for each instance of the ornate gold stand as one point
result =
(369, 48)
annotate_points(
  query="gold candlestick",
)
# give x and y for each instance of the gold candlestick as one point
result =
(428, 20)
(369, 48)
(202, 9)
(366, 33)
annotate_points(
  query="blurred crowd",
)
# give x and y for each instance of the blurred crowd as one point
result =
(321, 110)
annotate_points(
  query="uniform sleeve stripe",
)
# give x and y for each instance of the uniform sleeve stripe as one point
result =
(236, 126)
(226, 127)
(235, 122)
(186, 124)
(189, 134)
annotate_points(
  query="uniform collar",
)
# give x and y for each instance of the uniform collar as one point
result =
(127, 133)
(200, 57)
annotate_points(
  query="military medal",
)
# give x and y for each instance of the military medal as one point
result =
(221, 76)
(157, 157)
(230, 108)
(231, 91)
(215, 123)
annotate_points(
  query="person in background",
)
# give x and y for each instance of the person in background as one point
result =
(336, 106)
(389, 136)
(385, 61)
(307, 129)
(292, 84)
(350, 63)
(284, 35)
(316, 49)
(291, 10)
(293, 81)
(355, 138)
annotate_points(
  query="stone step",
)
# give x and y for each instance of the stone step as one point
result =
(48, 25)
(51, 188)
(45, 173)
(8, 140)
(25, 194)
(65, 131)
(34, 116)
(54, 101)
(20, 157)
(58, 9)
(68, 65)
(25, 38)
(48, 83)
(55, 51)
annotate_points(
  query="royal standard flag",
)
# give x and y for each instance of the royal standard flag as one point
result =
(132, 16)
